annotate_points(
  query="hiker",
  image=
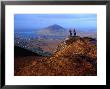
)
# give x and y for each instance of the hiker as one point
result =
(74, 32)
(70, 33)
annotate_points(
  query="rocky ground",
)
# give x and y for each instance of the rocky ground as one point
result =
(75, 56)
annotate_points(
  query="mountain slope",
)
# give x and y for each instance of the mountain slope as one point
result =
(53, 30)
(78, 57)
(74, 57)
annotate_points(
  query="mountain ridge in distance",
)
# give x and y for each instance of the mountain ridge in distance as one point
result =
(56, 26)
(58, 30)
(53, 30)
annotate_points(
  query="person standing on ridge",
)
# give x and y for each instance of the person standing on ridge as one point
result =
(70, 33)
(74, 32)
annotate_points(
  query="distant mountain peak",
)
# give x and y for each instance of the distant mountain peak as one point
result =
(55, 26)
(54, 30)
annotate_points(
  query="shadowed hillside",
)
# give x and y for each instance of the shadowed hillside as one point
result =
(20, 52)
(75, 56)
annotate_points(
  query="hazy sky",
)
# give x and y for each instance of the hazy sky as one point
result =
(31, 22)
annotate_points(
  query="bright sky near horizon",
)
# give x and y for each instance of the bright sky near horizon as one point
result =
(31, 22)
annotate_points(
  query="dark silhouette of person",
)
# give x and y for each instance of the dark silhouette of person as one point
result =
(70, 32)
(74, 32)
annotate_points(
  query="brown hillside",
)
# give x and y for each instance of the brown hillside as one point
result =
(73, 57)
